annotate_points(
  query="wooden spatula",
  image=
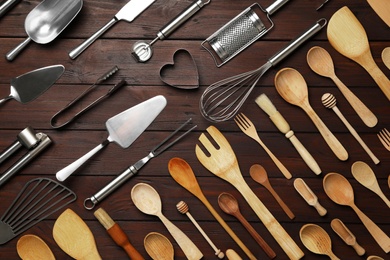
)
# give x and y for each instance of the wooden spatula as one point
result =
(347, 35)
(223, 163)
(74, 237)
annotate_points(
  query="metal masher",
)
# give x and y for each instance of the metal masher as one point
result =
(142, 51)
(240, 32)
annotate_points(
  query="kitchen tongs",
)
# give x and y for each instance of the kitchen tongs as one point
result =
(54, 119)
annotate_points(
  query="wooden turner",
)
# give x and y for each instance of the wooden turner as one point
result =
(347, 35)
(223, 163)
(74, 237)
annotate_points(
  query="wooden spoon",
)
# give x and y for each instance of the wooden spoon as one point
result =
(386, 57)
(374, 257)
(309, 196)
(366, 177)
(232, 255)
(158, 246)
(338, 189)
(292, 87)
(31, 247)
(259, 174)
(74, 237)
(347, 35)
(317, 240)
(147, 200)
(346, 235)
(182, 173)
(321, 63)
(229, 205)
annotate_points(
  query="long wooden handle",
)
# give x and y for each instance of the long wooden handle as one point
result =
(122, 240)
(359, 249)
(281, 203)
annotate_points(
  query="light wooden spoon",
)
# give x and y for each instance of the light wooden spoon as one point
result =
(31, 247)
(229, 205)
(309, 196)
(317, 240)
(386, 57)
(346, 235)
(148, 201)
(374, 257)
(338, 189)
(366, 177)
(291, 85)
(259, 174)
(321, 63)
(158, 246)
(347, 35)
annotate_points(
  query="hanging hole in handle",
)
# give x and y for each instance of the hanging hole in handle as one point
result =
(322, 22)
(89, 204)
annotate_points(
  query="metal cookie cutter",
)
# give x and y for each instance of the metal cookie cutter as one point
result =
(240, 32)
(34, 142)
(54, 119)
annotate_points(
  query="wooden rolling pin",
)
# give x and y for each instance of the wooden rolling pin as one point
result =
(117, 234)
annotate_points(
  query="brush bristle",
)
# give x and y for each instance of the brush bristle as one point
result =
(265, 104)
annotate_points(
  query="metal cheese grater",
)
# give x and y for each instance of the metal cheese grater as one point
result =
(240, 32)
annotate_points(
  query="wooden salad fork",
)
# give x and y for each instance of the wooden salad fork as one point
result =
(384, 137)
(248, 128)
(222, 162)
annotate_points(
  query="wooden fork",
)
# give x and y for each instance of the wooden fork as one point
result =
(384, 137)
(249, 129)
(222, 162)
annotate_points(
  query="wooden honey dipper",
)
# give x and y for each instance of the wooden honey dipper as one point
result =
(183, 208)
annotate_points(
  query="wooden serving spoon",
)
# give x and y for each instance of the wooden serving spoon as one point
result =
(31, 247)
(346, 235)
(74, 237)
(317, 240)
(338, 189)
(148, 201)
(321, 63)
(347, 35)
(259, 174)
(229, 205)
(182, 173)
(309, 196)
(386, 57)
(158, 246)
(366, 177)
(292, 87)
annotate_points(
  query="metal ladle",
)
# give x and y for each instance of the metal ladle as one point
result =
(142, 51)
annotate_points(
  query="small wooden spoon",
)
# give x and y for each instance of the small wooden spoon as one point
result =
(317, 240)
(347, 35)
(158, 246)
(374, 257)
(366, 177)
(259, 174)
(386, 57)
(292, 87)
(321, 63)
(229, 205)
(147, 200)
(346, 235)
(338, 189)
(309, 196)
(31, 247)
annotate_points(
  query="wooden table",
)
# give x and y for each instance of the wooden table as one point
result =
(114, 48)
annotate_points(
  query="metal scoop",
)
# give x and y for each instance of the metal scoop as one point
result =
(46, 21)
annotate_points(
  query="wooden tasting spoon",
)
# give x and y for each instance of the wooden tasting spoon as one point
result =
(347, 35)
(229, 205)
(317, 240)
(346, 235)
(321, 63)
(386, 57)
(158, 246)
(148, 201)
(338, 189)
(31, 247)
(292, 87)
(259, 174)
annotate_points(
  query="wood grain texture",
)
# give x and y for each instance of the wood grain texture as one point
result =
(114, 48)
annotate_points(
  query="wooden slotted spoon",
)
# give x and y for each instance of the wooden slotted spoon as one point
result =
(347, 35)
(223, 163)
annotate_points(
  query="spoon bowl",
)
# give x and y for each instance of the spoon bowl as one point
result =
(158, 246)
(31, 247)
(386, 57)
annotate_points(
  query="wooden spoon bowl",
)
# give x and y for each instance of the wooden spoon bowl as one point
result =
(158, 246)
(31, 247)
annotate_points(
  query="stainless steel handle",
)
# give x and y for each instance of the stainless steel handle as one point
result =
(7, 6)
(13, 53)
(275, 6)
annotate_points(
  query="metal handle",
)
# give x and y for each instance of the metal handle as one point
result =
(275, 6)
(13, 53)
(298, 42)
(7, 6)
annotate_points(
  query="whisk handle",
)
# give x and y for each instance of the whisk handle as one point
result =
(298, 42)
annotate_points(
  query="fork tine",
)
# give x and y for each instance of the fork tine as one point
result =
(241, 121)
(384, 138)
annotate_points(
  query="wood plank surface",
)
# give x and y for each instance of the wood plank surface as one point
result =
(143, 82)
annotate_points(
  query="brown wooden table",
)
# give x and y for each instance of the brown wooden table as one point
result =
(114, 48)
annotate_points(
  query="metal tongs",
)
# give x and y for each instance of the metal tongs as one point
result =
(54, 119)
(34, 142)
